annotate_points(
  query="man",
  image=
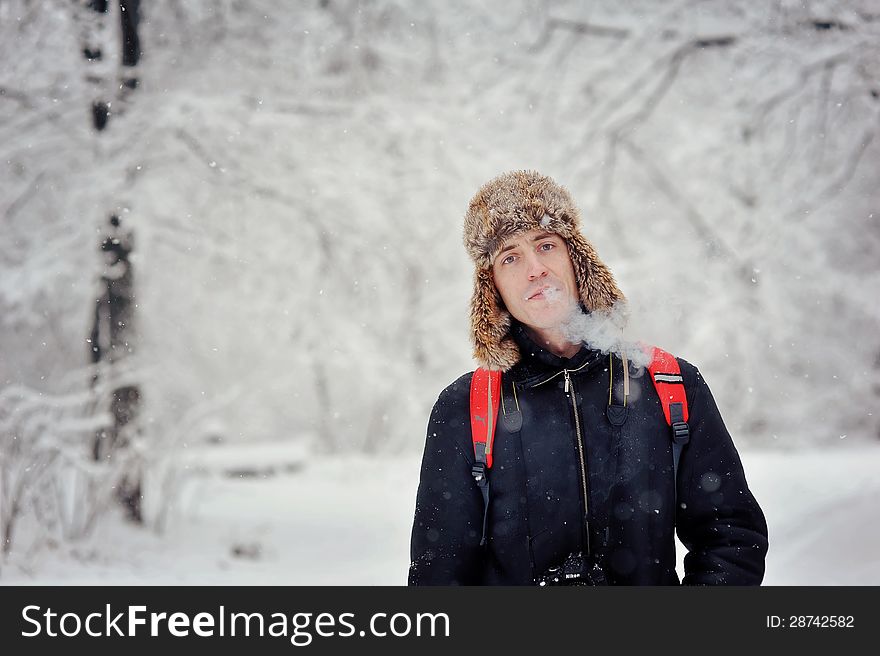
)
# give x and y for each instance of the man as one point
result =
(583, 477)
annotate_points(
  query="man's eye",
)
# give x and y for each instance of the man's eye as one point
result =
(546, 247)
(508, 259)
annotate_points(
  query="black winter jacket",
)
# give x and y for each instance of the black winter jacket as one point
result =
(538, 513)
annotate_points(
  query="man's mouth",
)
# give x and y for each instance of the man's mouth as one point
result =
(538, 294)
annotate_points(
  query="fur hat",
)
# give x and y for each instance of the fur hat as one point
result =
(512, 203)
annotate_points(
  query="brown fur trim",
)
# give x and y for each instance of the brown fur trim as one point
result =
(512, 203)
(595, 281)
(490, 324)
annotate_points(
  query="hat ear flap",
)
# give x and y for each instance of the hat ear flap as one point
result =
(595, 281)
(490, 323)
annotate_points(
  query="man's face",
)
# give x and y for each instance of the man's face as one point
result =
(535, 277)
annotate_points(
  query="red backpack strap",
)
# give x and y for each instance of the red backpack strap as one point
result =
(669, 384)
(485, 400)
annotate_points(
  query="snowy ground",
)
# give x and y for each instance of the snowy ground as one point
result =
(347, 521)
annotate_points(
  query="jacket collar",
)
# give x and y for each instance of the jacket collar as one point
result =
(537, 363)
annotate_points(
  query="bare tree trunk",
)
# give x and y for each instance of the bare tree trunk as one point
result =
(131, 46)
(112, 336)
(111, 343)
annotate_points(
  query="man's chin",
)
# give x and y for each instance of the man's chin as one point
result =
(550, 315)
(549, 321)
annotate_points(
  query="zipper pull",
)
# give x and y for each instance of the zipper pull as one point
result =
(567, 381)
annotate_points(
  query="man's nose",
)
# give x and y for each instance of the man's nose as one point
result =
(535, 267)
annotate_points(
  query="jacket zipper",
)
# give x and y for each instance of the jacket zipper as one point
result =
(569, 387)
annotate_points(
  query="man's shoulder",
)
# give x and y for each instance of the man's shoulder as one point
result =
(694, 383)
(689, 371)
(450, 417)
(457, 390)
(690, 376)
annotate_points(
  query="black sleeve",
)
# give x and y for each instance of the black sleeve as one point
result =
(719, 521)
(445, 547)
